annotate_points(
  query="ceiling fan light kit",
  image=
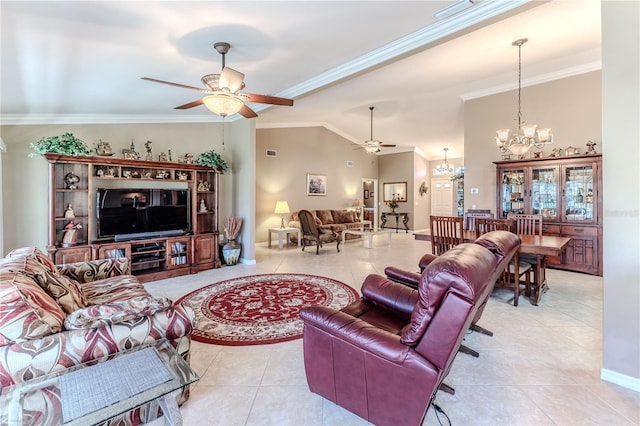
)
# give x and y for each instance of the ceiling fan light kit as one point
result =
(223, 104)
(373, 146)
(223, 96)
(524, 137)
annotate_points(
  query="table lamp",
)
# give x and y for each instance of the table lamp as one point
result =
(357, 203)
(282, 207)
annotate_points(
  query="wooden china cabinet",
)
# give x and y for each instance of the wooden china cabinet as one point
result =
(567, 192)
(73, 187)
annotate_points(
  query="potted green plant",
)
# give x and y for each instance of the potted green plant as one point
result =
(66, 144)
(214, 160)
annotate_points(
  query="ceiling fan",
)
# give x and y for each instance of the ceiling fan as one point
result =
(373, 146)
(223, 91)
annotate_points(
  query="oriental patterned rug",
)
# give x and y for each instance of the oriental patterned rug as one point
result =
(261, 309)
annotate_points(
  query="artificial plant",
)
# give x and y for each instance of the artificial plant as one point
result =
(66, 144)
(214, 160)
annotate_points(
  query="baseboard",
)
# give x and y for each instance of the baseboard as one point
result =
(247, 261)
(625, 381)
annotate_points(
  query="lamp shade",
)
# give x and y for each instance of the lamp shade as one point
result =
(282, 207)
(357, 202)
(223, 104)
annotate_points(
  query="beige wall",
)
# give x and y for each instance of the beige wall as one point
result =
(398, 168)
(25, 179)
(572, 107)
(621, 155)
(301, 151)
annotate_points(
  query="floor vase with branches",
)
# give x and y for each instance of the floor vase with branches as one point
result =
(231, 250)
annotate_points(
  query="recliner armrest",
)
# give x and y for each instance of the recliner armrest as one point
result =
(426, 260)
(356, 332)
(389, 295)
(401, 276)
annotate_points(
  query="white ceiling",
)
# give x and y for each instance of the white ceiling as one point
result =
(81, 62)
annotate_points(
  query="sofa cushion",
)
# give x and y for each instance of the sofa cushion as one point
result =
(114, 289)
(116, 312)
(342, 216)
(325, 216)
(27, 312)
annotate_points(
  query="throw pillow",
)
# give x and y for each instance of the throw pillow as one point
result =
(114, 289)
(37, 255)
(324, 216)
(65, 292)
(116, 313)
(342, 216)
(26, 310)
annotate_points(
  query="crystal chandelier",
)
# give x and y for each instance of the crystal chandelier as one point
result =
(524, 137)
(445, 168)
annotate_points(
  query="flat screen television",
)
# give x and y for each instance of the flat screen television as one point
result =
(135, 213)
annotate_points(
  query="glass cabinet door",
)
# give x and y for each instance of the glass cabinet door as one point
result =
(544, 192)
(512, 192)
(578, 193)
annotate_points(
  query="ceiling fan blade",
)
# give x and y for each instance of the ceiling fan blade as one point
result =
(247, 112)
(264, 99)
(387, 145)
(231, 79)
(190, 104)
(184, 86)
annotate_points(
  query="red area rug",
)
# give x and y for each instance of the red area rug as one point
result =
(261, 309)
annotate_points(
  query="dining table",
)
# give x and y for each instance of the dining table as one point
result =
(539, 246)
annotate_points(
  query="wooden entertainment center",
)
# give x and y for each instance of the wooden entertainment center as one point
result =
(73, 185)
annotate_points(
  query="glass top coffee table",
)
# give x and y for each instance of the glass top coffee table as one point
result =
(93, 393)
(367, 234)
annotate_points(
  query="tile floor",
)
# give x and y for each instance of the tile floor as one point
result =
(541, 367)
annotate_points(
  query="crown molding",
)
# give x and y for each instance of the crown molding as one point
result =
(545, 78)
(36, 119)
(418, 39)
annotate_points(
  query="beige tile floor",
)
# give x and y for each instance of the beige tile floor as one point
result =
(541, 367)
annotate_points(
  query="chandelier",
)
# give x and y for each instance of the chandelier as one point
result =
(524, 137)
(445, 168)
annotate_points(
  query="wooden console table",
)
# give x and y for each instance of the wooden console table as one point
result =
(405, 221)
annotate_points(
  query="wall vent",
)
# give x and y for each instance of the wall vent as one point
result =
(272, 153)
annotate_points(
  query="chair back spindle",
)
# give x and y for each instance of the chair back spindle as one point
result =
(446, 232)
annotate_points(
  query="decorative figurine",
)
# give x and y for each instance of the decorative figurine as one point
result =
(591, 147)
(68, 213)
(188, 158)
(203, 206)
(149, 156)
(71, 180)
(162, 157)
(556, 152)
(103, 149)
(131, 153)
(69, 236)
(169, 151)
(204, 186)
(536, 154)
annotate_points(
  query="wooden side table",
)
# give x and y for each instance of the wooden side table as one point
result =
(283, 233)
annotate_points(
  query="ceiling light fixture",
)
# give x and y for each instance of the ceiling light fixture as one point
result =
(445, 168)
(223, 104)
(524, 137)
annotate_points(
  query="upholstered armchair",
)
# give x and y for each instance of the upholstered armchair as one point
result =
(313, 235)
(385, 356)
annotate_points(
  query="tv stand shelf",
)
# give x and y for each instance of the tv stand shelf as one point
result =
(74, 181)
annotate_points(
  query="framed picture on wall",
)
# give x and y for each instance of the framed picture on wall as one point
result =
(366, 194)
(316, 184)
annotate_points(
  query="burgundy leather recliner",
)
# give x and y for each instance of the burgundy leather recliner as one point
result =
(384, 356)
(504, 246)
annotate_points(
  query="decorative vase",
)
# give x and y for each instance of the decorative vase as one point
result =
(231, 252)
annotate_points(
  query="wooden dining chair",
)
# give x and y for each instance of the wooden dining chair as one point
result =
(471, 216)
(509, 280)
(446, 232)
(527, 224)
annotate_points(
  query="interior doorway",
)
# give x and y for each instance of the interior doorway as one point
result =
(441, 197)
(370, 201)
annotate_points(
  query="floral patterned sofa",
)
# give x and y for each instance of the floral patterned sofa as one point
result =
(55, 316)
(334, 220)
